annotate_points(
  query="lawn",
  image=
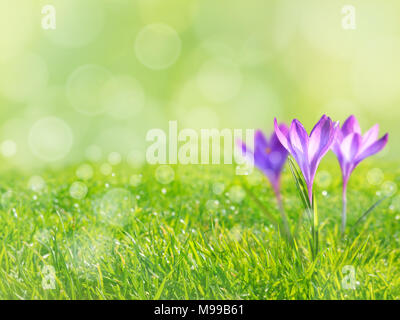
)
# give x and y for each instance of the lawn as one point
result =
(133, 235)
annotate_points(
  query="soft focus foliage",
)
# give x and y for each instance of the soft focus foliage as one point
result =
(111, 70)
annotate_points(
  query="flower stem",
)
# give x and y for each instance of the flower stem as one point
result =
(285, 222)
(284, 218)
(344, 208)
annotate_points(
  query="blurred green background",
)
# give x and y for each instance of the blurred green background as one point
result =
(113, 69)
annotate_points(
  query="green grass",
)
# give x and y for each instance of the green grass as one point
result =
(143, 243)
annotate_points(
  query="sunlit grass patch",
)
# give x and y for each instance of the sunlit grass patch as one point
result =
(196, 236)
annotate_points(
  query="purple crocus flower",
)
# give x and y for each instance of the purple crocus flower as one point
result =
(351, 148)
(269, 156)
(308, 150)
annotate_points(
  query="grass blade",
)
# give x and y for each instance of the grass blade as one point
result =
(261, 206)
(366, 213)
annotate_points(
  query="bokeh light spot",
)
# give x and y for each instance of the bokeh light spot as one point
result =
(157, 46)
(237, 194)
(218, 188)
(78, 190)
(135, 180)
(396, 203)
(50, 139)
(84, 172)
(106, 169)
(323, 179)
(116, 206)
(375, 176)
(212, 205)
(8, 148)
(36, 183)
(389, 188)
(85, 87)
(122, 97)
(219, 80)
(165, 174)
(114, 158)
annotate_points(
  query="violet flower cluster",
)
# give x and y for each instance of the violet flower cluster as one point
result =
(351, 148)
(346, 142)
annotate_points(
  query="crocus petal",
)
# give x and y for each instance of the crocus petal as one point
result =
(372, 149)
(269, 156)
(260, 142)
(350, 125)
(298, 137)
(370, 137)
(319, 137)
(349, 149)
(261, 157)
(274, 141)
(321, 140)
(245, 150)
(298, 147)
(337, 141)
(278, 156)
(350, 146)
(283, 134)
